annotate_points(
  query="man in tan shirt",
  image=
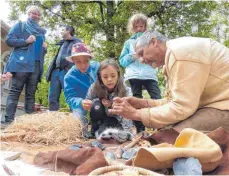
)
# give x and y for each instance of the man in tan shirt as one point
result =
(197, 71)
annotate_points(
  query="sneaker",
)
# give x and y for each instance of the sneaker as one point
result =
(90, 136)
(5, 124)
(87, 135)
(85, 132)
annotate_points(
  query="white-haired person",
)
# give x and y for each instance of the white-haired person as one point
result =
(26, 61)
(198, 80)
(138, 74)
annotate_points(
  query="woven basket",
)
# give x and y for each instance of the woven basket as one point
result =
(110, 169)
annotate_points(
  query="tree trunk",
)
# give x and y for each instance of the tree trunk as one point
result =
(110, 27)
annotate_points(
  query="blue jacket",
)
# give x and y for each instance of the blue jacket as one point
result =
(22, 56)
(134, 69)
(76, 84)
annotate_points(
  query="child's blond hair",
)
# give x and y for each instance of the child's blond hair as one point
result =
(136, 18)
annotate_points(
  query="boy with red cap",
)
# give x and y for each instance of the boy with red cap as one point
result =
(78, 80)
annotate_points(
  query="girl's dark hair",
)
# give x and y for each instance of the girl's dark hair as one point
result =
(70, 29)
(100, 90)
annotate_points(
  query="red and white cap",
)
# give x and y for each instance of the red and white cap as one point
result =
(79, 49)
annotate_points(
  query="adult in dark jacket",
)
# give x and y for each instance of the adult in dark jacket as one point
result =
(60, 66)
(26, 61)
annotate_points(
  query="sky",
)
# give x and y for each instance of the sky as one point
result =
(5, 11)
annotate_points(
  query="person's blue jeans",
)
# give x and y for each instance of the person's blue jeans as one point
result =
(56, 85)
(152, 88)
(149, 84)
(19, 80)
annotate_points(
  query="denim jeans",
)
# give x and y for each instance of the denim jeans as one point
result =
(152, 88)
(56, 85)
(150, 85)
(19, 80)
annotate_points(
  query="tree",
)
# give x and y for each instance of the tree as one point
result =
(220, 20)
(102, 24)
(109, 18)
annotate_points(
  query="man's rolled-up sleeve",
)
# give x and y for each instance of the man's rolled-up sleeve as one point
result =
(157, 102)
(187, 81)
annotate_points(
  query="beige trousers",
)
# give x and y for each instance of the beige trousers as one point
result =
(205, 119)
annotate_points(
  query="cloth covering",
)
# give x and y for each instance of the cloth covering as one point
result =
(205, 119)
(189, 143)
(76, 162)
(167, 135)
(221, 137)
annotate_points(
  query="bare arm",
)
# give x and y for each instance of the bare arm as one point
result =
(139, 103)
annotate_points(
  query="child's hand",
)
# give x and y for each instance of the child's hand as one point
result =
(45, 45)
(106, 103)
(87, 104)
(31, 39)
(6, 76)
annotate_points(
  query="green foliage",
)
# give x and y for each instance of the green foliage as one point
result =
(173, 18)
(42, 93)
(102, 24)
(161, 81)
(221, 23)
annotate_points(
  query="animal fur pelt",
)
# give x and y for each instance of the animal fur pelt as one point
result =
(118, 134)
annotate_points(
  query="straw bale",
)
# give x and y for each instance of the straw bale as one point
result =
(49, 128)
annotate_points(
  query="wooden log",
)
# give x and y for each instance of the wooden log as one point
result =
(128, 146)
(133, 142)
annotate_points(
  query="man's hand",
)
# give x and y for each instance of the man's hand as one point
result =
(121, 107)
(87, 104)
(106, 103)
(31, 39)
(137, 103)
